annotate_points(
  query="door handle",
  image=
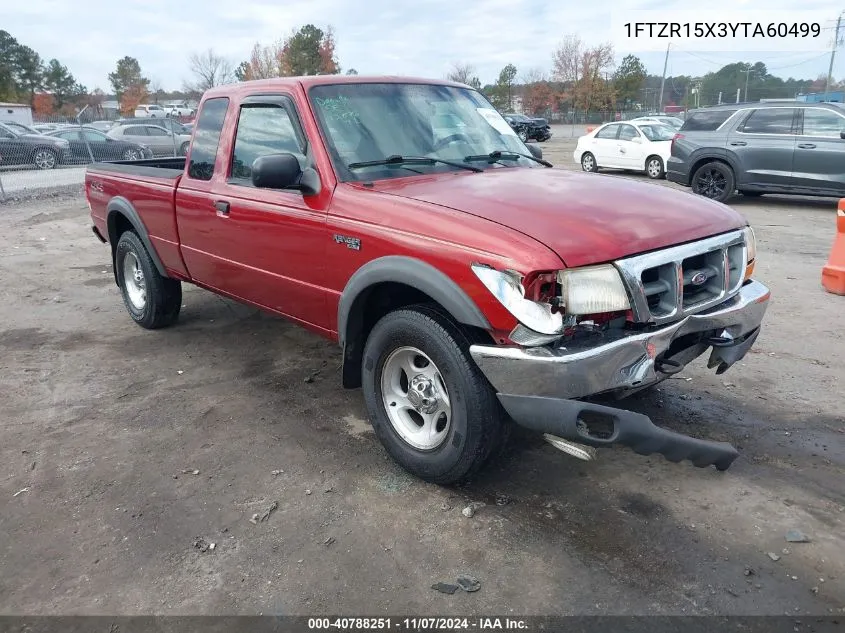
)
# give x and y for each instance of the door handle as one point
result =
(806, 145)
(739, 143)
(222, 207)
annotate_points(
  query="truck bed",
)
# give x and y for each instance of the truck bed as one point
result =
(167, 168)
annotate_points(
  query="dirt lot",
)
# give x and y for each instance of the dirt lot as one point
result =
(125, 446)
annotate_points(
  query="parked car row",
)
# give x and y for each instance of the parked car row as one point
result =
(47, 146)
(169, 109)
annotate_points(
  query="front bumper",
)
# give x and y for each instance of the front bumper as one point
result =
(622, 362)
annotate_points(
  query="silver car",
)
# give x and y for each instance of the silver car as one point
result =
(160, 141)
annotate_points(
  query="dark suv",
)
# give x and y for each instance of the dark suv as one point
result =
(774, 147)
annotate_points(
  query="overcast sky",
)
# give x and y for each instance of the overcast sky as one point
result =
(407, 37)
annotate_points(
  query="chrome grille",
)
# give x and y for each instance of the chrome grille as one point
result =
(668, 284)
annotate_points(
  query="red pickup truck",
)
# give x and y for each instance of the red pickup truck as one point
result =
(469, 285)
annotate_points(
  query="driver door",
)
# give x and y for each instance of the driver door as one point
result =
(261, 245)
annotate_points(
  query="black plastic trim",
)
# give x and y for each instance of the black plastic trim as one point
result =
(411, 272)
(563, 418)
(122, 206)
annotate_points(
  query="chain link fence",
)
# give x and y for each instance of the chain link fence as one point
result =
(52, 152)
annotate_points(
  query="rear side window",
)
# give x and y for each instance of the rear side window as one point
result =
(207, 138)
(818, 122)
(707, 121)
(135, 130)
(769, 121)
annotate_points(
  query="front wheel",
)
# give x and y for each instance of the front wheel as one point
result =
(131, 154)
(654, 167)
(153, 301)
(183, 149)
(45, 158)
(428, 402)
(523, 135)
(714, 180)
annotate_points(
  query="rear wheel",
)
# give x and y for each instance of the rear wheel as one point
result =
(429, 404)
(588, 162)
(131, 154)
(153, 301)
(654, 167)
(714, 180)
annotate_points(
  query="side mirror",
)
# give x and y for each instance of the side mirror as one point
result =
(282, 171)
(536, 152)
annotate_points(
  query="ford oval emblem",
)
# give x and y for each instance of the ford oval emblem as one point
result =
(698, 279)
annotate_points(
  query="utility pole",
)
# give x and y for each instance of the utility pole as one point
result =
(663, 81)
(832, 55)
(747, 72)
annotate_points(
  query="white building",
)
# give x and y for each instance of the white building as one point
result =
(17, 112)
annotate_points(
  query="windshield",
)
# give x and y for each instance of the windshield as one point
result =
(657, 132)
(365, 122)
(20, 128)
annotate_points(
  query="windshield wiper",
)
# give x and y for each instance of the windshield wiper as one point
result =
(498, 155)
(411, 160)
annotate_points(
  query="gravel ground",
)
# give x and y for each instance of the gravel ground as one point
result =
(124, 454)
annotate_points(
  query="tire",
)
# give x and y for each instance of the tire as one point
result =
(458, 443)
(588, 162)
(523, 135)
(183, 149)
(45, 158)
(131, 154)
(714, 180)
(654, 167)
(152, 301)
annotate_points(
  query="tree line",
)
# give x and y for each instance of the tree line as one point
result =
(581, 78)
(50, 88)
(584, 78)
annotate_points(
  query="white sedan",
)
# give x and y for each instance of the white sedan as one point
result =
(644, 147)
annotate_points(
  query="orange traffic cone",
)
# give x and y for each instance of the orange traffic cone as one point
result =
(833, 275)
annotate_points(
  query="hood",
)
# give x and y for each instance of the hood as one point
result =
(584, 218)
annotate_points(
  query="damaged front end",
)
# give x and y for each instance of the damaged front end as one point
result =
(647, 318)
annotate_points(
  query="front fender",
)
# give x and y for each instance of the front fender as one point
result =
(411, 272)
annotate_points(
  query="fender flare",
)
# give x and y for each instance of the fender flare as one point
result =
(121, 206)
(411, 272)
(708, 155)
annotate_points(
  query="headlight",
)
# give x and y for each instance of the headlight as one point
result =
(750, 249)
(506, 286)
(593, 290)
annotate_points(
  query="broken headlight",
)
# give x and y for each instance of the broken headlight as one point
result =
(506, 286)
